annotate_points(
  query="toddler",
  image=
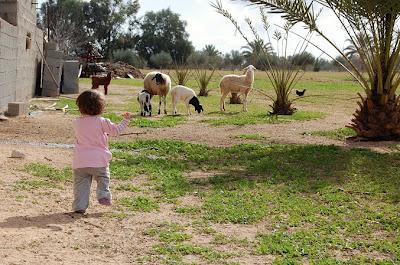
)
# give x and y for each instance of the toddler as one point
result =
(91, 154)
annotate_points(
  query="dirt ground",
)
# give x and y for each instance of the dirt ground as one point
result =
(36, 227)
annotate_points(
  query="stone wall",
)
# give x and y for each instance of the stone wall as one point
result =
(21, 44)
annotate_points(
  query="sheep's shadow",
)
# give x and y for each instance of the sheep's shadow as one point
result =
(47, 221)
(223, 113)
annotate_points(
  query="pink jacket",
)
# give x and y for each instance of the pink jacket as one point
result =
(91, 146)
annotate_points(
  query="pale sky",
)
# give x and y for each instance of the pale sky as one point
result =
(205, 26)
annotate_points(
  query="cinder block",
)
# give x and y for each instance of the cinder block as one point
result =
(17, 109)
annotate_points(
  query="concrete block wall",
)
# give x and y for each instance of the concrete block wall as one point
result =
(8, 63)
(8, 11)
(19, 62)
(28, 57)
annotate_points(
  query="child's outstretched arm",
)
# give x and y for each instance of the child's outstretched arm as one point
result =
(116, 129)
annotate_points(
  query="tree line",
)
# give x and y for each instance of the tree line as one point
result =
(156, 40)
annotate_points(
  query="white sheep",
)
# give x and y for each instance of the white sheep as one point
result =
(186, 95)
(157, 83)
(144, 99)
(237, 84)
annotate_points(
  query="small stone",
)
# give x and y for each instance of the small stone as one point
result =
(17, 154)
(3, 118)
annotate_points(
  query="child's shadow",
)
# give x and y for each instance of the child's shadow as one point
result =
(49, 221)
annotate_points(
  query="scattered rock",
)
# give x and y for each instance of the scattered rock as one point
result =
(35, 113)
(17, 154)
(3, 118)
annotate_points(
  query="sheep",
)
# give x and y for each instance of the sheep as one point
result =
(144, 99)
(237, 84)
(102, 80)
(188, 96)
(158, 84)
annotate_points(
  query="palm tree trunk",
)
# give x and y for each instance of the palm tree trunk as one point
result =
(377, 120)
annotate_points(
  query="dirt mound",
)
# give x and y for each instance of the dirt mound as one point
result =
(124, 70)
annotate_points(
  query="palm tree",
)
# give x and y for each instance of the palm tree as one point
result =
(378, 116)
(254, 51)
(236, 58)
(211, 50)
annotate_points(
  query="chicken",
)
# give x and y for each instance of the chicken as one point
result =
(300, 93)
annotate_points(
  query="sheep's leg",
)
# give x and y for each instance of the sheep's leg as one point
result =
(105, 89)
(149, 109)
(142, 110)
(165, 104)
(188, 112)
(245, 103)
(222, 101)
(159, 106)
(174, 102)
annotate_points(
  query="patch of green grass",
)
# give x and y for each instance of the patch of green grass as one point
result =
(176, 252)
(220, 239)
(317, 247)
(168, 175)
(250, 118)
(127, 187)
(204, 227)
(112, 116)
(244, 206)
(118, 82)
(165, 121)
(336, 200)
(73, 108)
(45, 171)
(169, 233)
(188, 210)
(174, 247)
(139, 203)
(250, 136)
(338, 134)
(28, 185)
(48, 177)
(122, 169)
(298, 245)
(117, 215)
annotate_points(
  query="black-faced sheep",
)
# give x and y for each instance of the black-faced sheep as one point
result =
(188, 96)
(241, 84)
(158, 84)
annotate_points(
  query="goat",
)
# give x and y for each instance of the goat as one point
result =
(144, 99)
(102, 81)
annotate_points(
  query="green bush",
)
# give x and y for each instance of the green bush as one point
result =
(129, 57)
(161, 60)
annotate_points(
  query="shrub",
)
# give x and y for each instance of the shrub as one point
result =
(129, 57)
(203, 79)
(161, 60)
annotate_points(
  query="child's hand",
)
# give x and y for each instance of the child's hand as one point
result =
(127, 116)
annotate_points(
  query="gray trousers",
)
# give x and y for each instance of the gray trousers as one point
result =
(82, 182)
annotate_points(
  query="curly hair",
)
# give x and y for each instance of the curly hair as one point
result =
(91, 102)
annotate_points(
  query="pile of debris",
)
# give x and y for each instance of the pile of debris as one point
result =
(123, 70)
